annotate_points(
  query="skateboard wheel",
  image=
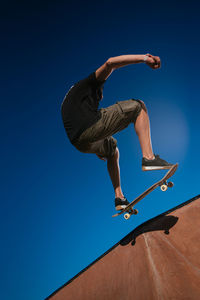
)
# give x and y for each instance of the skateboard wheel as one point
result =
(127, 216)
(163, 187)
(170, 184)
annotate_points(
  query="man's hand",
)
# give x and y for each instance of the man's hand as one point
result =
(153, 61)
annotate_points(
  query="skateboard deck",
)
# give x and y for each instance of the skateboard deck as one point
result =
(163, 185)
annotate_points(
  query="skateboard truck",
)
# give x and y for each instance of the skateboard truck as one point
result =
(165, 186)
(128, 214)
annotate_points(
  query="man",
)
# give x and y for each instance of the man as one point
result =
(90, 129)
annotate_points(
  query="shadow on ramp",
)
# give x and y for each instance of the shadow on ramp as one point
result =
(164, 223)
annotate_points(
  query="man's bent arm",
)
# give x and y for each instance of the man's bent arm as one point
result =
(116, 62)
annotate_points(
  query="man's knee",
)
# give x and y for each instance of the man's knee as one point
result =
(110, 146)
(143, 106)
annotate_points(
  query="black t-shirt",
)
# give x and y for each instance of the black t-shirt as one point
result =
(80, 106)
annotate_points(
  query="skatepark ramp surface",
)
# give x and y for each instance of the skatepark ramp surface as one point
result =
(160, 259)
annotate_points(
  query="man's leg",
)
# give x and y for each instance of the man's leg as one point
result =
(142, 128)
(114, 172)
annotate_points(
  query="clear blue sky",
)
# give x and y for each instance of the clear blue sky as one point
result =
(56, 203)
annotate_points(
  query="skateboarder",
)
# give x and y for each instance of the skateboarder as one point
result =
(90, 129)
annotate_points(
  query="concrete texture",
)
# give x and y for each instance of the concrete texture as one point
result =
(160, 259)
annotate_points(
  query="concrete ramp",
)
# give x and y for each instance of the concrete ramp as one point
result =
(160, 259)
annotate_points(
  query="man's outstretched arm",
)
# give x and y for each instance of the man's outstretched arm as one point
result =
(116, 62)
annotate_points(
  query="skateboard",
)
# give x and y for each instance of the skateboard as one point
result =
(163, 183)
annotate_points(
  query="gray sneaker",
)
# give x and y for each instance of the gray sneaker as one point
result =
(155, 164)
(121, 203)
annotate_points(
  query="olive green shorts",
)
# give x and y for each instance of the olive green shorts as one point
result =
(98, 138)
